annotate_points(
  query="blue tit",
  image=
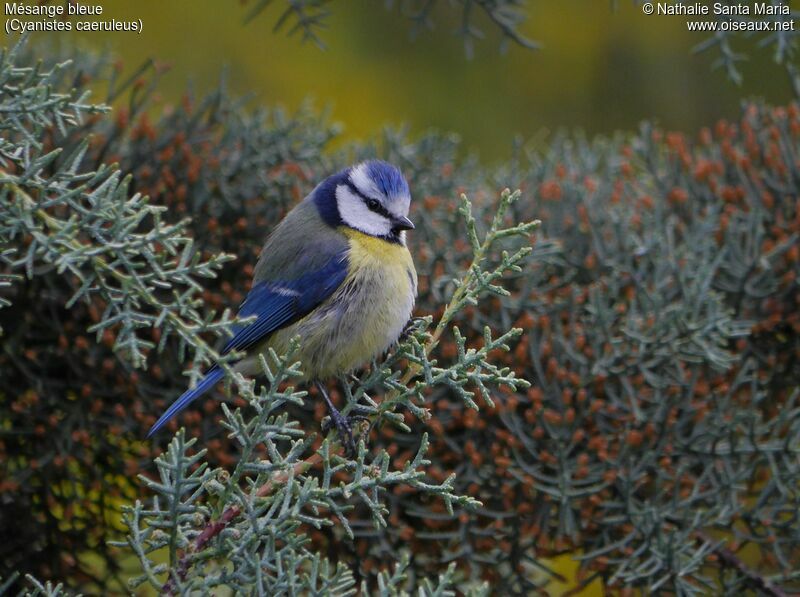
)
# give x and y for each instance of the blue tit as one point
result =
(337, 273)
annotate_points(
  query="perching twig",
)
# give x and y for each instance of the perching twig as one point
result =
(214, 528)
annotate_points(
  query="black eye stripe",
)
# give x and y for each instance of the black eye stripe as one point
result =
(380, 209)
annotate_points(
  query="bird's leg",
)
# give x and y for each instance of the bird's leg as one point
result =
(407, 329)
(341, 422)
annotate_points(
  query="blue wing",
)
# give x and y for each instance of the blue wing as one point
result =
(278, 304)
(275, 304)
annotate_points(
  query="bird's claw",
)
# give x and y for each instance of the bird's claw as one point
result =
(329, 422)
(345, 429)
(344, 424)
(407, 329)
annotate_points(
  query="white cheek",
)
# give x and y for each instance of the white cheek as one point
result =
(357, 215)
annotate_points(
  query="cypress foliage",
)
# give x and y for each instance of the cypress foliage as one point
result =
(654, 315)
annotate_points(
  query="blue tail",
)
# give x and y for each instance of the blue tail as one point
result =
(213, 376)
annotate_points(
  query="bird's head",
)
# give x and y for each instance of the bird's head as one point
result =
(371, 197)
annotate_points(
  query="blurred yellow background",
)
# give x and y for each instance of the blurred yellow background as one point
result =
(600, 68)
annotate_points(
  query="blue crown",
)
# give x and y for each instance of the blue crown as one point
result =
(388, 178)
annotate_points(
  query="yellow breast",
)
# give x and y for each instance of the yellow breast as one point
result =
(365, 249)
(384, 272)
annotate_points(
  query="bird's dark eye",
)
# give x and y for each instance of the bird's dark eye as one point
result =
(373, 204)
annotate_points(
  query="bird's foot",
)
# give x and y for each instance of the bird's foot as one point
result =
(407, 329)
(344, 424)
(344, 427)
(357, 415)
